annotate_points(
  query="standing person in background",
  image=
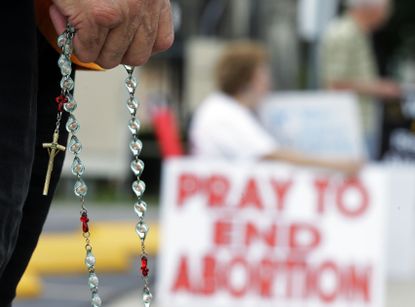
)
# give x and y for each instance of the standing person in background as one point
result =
(225, 125)
(348, 63)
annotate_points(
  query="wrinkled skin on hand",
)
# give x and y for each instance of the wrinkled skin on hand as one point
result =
(113, 32)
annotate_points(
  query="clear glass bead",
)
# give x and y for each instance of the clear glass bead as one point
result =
(139, 187)
(72, 125)
(71, 29)
(96, 300)
(80, 188)
(132, 105)
(129, 69)
(67, 83)
(147, 298)
(131, 84)
(61, 41)
(77, 167)
(90, 260)
(134, 125)
(137, 166)
(71, 105)
(140, 208)
(141, 229)
(93, 281)
(65, 65)
(75, 146)
(62, 60)
(136, 146)
(68, 48)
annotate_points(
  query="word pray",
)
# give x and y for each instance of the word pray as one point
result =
(219, 192)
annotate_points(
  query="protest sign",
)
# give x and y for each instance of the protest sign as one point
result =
(318, 123)
(270, 235)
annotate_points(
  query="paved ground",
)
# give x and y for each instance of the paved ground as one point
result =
(72, 291)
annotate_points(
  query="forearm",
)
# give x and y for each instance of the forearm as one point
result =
(364, 88)
(346, 166)
(383, 89)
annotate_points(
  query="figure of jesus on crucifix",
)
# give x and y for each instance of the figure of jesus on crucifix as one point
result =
(53, 149)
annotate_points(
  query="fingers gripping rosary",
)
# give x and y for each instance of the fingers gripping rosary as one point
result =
(66, 103)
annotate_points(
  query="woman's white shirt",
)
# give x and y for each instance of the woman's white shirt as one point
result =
(223, 128)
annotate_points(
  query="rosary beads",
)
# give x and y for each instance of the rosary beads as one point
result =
(138, 186)
(66, 102)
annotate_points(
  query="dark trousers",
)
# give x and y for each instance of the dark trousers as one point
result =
(28, 84)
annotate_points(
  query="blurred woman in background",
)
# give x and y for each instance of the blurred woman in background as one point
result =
(225, 125)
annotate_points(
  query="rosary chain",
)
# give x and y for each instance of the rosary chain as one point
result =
(138, 186)
(67, 102)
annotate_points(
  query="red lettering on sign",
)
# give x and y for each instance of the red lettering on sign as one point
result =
(328, 295)
(188, 186)
(182, 281)
(253, 233)
(321, 186)
(304, 237)
(250, 197)
(281, 189)
(241, 264)
(222, 233)
(265, 278)
(209, 275)
(345, 208)
(217, 190)
(357, 283)
(294, 268)
(238, 276)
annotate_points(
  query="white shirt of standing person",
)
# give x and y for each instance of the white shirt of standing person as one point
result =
(224, 129)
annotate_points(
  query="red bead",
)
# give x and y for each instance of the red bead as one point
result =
(144, 262)
(144, 268)
(144, 272)
(60, 101)
(84, 220)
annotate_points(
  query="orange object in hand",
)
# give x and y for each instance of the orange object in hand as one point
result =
(46, 27)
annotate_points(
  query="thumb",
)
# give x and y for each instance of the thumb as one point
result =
(58, 19)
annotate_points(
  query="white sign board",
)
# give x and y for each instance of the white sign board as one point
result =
(401, 223)
(319, 123)
(238, 235)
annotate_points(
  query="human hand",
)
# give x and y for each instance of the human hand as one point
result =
(388, 89)
(111, 32)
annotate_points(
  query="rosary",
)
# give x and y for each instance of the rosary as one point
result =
(66, 102)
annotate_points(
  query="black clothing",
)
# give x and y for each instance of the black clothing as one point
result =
(28, 84)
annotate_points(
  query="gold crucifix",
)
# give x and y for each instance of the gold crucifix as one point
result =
(53, 150)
